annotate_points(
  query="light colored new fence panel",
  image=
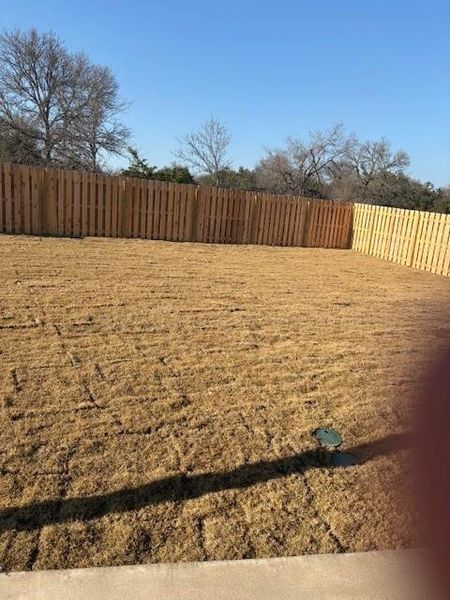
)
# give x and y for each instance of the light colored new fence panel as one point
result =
(407, 237)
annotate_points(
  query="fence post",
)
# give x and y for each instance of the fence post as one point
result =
(252, 220)
(304, 235)
(124, 209)
(351, 221)
(194, 215)
(43, 202)
(51, 202)
(199, 215)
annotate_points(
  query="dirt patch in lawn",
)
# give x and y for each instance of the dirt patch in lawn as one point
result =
(158, 399)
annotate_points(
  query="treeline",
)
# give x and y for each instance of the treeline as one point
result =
(328, 164)
(57, 109)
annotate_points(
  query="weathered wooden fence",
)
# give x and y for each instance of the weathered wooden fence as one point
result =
(74, 203)
(408, 237)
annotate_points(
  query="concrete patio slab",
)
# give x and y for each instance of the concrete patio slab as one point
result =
(384, 575)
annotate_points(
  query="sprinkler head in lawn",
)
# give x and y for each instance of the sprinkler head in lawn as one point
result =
(330, 439)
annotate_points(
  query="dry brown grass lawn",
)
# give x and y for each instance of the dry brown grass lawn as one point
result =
(158, 399)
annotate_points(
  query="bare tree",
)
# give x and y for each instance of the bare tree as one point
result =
(372, 161)
(205, 150)
(97, 130)
(38, 88)
(54, 99)
(305, 167)
(372, 172)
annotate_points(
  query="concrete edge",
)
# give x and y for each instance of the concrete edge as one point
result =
(381, 575)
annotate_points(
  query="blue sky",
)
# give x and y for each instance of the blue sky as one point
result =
(268, 69)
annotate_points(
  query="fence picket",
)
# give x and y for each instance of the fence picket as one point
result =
(2, 179)
(18, 200)
(9, 203)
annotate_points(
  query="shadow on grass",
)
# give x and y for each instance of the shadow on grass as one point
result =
(183, 487)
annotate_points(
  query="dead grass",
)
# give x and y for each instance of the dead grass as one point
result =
(158, 399)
